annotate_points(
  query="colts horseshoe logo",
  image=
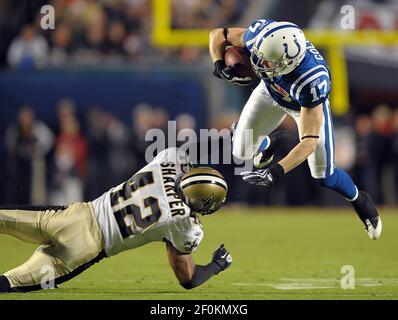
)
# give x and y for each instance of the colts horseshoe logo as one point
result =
(287, 50)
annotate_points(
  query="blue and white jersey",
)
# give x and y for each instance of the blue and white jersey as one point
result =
(308, 85)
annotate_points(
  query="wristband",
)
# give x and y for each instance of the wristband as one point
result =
(276, 170)
(219, 64)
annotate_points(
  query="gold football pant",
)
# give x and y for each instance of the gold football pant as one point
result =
(70, 240)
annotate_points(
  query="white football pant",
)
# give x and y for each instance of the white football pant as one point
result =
(262, 115)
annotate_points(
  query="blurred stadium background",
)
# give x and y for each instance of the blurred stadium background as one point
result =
(76, 101)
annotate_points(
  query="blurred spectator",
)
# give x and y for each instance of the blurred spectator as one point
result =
(13, 16)
(27, 144)
(70, 158)
(90, 31)
(364, 136)
(345, 142)
(111, 156)
(98, 149)
(61, 39)
(122, 159)
(29, 50)
(160, 118)
(142, 121)
(191, 14)
(185, 121)
(95, 37)
(116, 36)
(187, 135)
(380, 154)
(66, 109)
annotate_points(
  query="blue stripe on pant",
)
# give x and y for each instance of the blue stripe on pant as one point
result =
(329, 138)
(335, 178)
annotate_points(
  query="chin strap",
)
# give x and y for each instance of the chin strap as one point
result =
(179, 191)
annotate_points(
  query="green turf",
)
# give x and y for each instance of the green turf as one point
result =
(283, 254)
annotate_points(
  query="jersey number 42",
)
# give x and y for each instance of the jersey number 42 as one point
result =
(129, 215)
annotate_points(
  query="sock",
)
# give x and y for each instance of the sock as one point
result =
(341, 182)
(365, 207)
(273, 141)
(4, 284)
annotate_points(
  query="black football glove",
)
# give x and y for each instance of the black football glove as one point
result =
(222, 257)
(264, 177)
(229, 74)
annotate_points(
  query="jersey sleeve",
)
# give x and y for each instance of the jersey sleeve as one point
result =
(186, 239)
(252, 32)
(315, 90)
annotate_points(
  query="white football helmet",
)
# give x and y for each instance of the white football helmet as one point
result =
(279, 48)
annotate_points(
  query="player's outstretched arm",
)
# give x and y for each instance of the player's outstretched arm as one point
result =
(191, 275)
(310, 126)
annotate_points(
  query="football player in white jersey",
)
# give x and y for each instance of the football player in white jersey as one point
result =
(159, 203)
(295, 80)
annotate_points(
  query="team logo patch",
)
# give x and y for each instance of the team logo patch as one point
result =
(279, 89)
(198, 234)
(315, 83)
(207, 203)
(191, 245)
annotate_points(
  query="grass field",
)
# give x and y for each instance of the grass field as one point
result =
(284, 254)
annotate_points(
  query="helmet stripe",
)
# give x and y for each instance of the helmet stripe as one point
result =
(204, 181)
(284, 26)
(202, 174)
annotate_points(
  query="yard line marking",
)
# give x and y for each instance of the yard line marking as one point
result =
(210, 294)
(138, 280)
(318, 283)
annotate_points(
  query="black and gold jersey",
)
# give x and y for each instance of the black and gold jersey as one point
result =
(148, 208)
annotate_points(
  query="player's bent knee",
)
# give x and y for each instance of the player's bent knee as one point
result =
(241, 153)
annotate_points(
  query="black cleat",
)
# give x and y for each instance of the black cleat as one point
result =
(367, 212)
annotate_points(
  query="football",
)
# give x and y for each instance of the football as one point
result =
(239, 58)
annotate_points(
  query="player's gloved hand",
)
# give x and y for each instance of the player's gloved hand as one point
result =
(222, 257)
(229, 74)
(264, 177)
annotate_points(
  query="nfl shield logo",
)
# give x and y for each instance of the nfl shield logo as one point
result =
(280, 90)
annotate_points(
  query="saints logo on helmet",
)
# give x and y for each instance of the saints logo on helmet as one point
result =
(204, 189)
